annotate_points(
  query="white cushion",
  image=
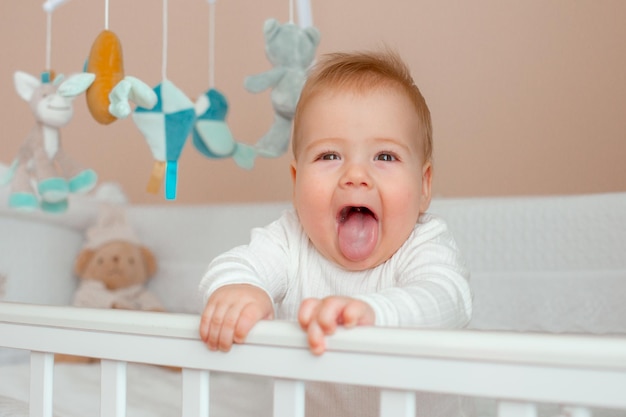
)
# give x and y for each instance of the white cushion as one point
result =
(185, 239)
(548, 233)
(585, 301)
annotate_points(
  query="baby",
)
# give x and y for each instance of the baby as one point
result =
(358, 248)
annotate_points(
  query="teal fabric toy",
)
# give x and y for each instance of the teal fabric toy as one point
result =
(291, 50)
(42, 175)
(212, 136)
(166, 127)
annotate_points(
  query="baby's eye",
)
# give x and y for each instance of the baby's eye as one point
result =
(328, 156)
(384, 156)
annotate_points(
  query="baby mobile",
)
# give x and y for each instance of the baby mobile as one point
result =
(211, 135)
(42, 174)
(164, 115)
(291, 50)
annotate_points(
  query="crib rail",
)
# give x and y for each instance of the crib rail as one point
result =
(519, 369)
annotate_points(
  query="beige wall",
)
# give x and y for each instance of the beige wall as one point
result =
(528, 97)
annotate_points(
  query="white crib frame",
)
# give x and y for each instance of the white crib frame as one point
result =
(518, 369)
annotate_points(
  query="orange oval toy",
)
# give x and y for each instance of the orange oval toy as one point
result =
(105, 61)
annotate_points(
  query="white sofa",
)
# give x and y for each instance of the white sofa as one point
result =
(547, 264)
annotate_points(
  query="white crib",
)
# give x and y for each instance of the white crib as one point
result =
(549, 323)
(519, 369)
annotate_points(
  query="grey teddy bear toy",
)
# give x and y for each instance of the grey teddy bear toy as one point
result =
(291, 50)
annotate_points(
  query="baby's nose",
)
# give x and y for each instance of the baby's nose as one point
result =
(356, 175)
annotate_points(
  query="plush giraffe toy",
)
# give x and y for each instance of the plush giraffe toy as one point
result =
(42, 175)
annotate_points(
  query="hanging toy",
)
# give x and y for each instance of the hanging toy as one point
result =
(42, 175)
(109, 90)
(211, 135)
(166, 127)
(291, 50)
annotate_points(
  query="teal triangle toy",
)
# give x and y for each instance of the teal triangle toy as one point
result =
(166, 127)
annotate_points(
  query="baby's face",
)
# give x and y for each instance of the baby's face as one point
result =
(360, 181)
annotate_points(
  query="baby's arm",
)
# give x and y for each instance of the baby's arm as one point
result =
(230, 312)
(320, 318)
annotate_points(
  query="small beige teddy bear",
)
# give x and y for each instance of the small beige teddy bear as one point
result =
(114, 266)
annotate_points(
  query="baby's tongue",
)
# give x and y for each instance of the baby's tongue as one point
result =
(358, 234)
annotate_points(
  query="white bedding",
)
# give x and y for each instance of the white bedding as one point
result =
(151, 392)
(10, 407)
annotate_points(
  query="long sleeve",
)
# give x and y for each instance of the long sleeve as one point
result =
(431, 287)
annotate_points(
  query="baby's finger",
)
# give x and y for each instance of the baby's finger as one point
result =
(330, 314)
(315, 336)
(305, 314)
(249, 316)
(215, 326)
(225, 341)
(205, 322)
(352, 313)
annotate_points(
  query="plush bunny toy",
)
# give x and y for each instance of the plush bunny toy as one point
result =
(291, 50)
(42, 174)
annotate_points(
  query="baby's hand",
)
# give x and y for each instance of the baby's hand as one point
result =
(231, 312)
(321, 317)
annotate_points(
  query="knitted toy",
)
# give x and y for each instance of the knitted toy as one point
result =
(291, 50)
(108, 89)
(166, 127)
(42, 174)
(212, 136)
(114, 266)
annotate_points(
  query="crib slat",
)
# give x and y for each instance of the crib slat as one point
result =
(41, 384)
(195, 393)
(288, 398)
(516, 409)
(112, 388)
(397, 403)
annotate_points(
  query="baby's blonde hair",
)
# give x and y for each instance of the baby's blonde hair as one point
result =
(361, 71)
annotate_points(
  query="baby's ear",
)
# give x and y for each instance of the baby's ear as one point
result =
(83, 259)
(149, 260)
(427, 176)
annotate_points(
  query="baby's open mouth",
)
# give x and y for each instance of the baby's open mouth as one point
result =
(348, 211)
(357, 232)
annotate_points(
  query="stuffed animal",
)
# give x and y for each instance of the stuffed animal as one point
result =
(108, 89)
(113, 268)
(291, 50)
(212, 136)
(42, 174)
